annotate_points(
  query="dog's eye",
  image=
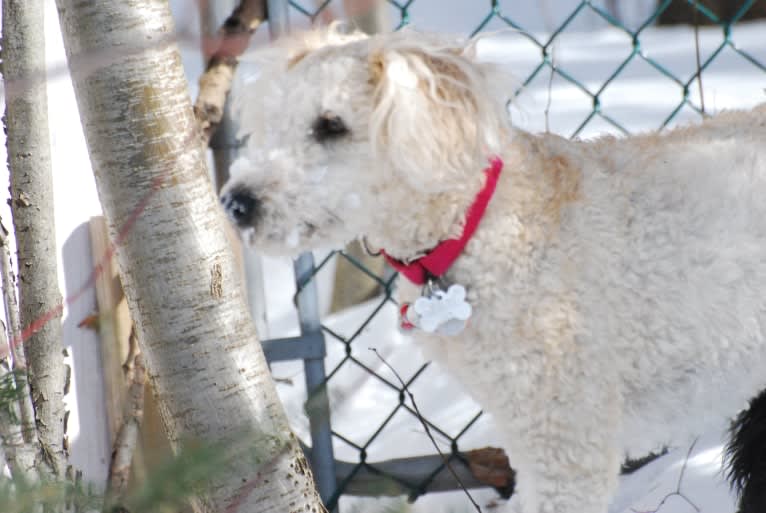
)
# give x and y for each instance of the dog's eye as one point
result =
(328, 126)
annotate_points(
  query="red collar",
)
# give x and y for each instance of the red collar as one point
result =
(438, 260)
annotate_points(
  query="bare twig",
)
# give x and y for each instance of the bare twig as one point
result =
(78, 504)
(550, 87)
(677, 492)
(133, 352)
(17, 452)
(11, 308)
(548, 22)
(19, 435)
(215, 83)
(428, 430)
(699, 63)
(127, 436)
(683, 467)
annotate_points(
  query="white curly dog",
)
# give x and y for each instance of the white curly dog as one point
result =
(617, 286)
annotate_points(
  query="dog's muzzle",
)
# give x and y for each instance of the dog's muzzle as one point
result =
(241, 206)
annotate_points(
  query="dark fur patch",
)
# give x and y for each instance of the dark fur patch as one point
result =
(746, 456)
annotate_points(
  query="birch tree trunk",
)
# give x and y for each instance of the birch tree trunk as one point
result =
(29, 161)
(202, 354)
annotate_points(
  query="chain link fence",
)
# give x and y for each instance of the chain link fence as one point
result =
(418, 475)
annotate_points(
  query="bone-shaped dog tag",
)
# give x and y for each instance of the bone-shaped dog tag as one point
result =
(452, 327)
(443, 312)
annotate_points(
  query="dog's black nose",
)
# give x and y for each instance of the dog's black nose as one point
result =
(241, 205)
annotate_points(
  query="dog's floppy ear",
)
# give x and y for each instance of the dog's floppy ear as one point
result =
(435, 117)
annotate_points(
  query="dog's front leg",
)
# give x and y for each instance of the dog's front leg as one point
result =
(563, 414)
(566, 463)
(566, 451)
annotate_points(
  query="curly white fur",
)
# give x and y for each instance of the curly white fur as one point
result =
(617, 285)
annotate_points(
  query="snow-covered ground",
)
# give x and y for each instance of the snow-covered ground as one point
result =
(640, 98)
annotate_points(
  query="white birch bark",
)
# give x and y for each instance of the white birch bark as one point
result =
(202, 354)
(29, 161)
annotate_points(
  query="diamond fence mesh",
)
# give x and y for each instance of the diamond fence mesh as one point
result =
(428, 473)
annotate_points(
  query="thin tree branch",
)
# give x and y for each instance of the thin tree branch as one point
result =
(29, 161)
(17, 424)
(215, 83)
(11, 307)
(677, 492)
(128, 434)
(19, 453)
(548, 20)
(699, 64)
(547, 110)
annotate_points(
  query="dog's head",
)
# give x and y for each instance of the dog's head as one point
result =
(347, 134)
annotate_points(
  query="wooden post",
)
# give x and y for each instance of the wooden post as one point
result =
(113, 326)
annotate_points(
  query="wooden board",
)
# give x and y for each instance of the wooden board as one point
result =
(113, 325)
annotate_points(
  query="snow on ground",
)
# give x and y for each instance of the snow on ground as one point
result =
(639, 98)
